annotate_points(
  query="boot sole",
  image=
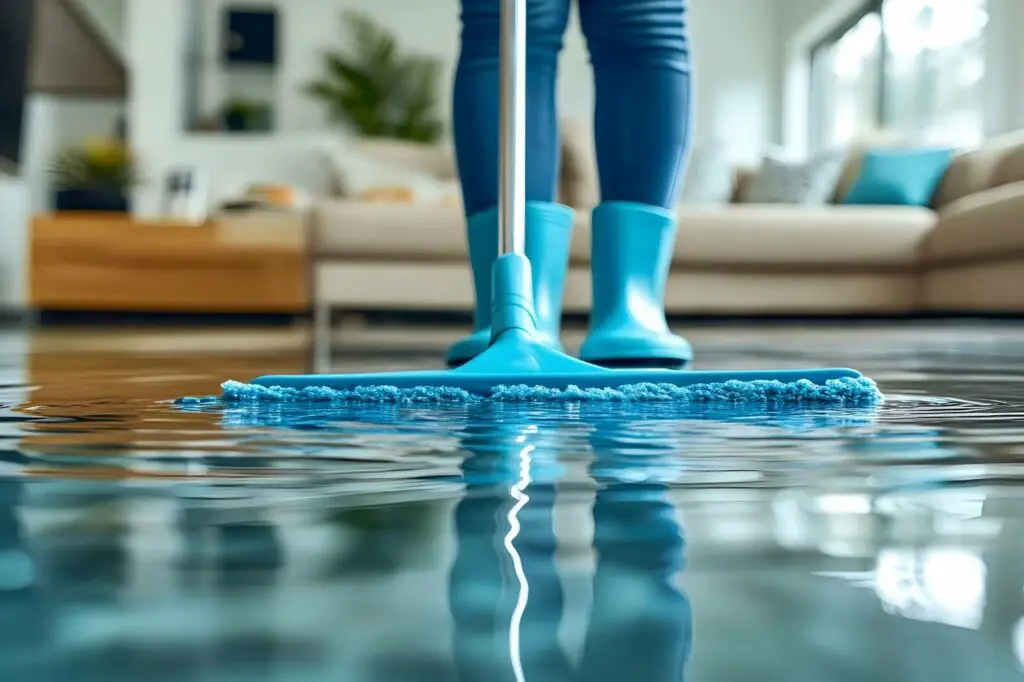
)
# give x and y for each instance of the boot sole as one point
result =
(624, 363)
(643, 363)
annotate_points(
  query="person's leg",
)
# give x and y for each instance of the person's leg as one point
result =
(641, 57)
(475, 118)
(641, 622)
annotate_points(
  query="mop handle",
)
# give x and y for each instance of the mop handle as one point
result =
(512, 172)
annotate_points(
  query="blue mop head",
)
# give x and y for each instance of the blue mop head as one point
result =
(517, 369)
(248, 406)
(850, 391)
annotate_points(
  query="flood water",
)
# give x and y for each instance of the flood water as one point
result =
(143, 540)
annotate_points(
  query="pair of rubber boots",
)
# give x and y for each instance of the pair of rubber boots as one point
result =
(631, 252)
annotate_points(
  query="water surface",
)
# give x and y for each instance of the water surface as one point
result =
(141, 541)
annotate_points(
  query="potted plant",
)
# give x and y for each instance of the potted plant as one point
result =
(242, 115)
(376, 89)
(94, 176)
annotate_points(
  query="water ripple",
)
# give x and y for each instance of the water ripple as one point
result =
(930, 422)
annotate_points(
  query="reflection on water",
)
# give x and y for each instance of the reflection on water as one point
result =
(640, 623)
(139, 540)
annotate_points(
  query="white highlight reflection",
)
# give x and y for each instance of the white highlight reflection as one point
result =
(835, 503)
(1018, 642)
(518, 493)
(943, 585)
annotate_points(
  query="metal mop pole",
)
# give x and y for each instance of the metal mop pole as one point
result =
(512, 192)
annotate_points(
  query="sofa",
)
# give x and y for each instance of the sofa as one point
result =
(400, 246)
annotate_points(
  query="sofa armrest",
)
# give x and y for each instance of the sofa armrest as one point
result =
(984, 226)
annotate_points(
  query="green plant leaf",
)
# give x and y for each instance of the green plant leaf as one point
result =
(375, 88)
(76, 167)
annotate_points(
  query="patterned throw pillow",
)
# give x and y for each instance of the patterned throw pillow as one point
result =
(785, 182)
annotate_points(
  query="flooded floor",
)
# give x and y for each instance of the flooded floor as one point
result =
(142, 540)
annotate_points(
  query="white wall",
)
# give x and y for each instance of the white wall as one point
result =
(735, 56)
(108, 17)
(737, 77)
(732, 59)
(1004, 92)
(14, 218)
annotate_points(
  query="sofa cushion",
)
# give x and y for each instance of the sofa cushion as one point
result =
(357, 229)
(754, 238)
(578, 182)
(771, 237)
(986, 225)
(813, 238)
(1009, 169)
(981, 169)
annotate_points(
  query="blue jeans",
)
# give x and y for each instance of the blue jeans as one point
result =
(640, 53)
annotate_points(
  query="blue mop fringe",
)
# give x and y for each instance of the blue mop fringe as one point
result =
(845, 391)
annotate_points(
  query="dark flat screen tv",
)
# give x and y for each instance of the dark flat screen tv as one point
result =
(16, 23)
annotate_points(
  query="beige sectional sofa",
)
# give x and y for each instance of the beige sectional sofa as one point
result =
(964, 254)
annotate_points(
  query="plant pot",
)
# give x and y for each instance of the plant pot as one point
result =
(261, 119)
(104, 199)
(236, 121)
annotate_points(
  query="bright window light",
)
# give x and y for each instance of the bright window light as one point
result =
(855, 49)
(916, 25)
(914, 69)
(1018, 642)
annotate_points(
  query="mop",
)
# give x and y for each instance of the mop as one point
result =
(516, 367)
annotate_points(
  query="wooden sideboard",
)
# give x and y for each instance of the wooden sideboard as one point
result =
(248, 263)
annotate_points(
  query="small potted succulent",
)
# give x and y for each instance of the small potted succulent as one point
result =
(94, 176)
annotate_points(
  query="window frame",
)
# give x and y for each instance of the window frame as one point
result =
(816, 99)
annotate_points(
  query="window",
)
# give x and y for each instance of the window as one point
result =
(910, 67)
(846, 82)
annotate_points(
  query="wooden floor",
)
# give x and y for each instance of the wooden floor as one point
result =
(432, 341)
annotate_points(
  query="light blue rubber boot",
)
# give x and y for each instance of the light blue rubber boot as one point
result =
(548, 238)
(631, 253)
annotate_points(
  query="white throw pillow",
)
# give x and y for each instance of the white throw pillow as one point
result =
(359, 173)
(782, 181)
(431, 159)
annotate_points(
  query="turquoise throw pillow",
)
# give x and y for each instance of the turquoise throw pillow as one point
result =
(899, 177)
